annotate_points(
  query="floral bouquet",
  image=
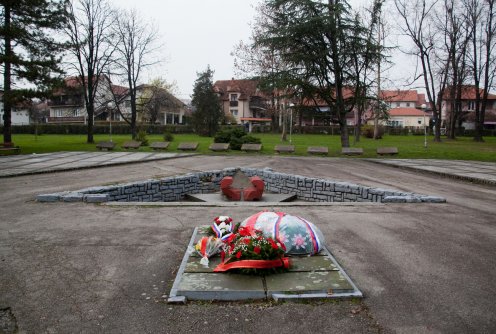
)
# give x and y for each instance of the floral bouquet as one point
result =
(206, 247)
(222, 227)
(248, 251)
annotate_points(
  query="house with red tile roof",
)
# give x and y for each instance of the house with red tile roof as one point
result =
(408, 117)
(468, 108)
(403, 98)
(67, 104)
(243, 101)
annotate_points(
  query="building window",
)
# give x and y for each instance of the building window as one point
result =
(395, 123)
(234, 97)
(419, 120)
(471, 105)
(234, 112)
(408, 104)
(398, 104)
(127, 104)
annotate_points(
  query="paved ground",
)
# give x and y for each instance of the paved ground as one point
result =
(14, 165)
(474, 171)
(75, 267)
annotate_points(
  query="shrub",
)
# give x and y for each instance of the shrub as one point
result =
(168, 136)
(236, 137)
(141, 136)
(368, 131)
(225, 135)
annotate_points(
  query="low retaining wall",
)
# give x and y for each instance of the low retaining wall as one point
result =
(175, 188)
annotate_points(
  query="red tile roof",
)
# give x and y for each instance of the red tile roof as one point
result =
(246, 87)
(468, 93)
(400, 95)
(407, 112)
(119, 90)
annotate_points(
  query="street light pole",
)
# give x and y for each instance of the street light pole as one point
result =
(291, 123)
(424, 107)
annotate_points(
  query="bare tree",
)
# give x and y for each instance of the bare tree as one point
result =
(264, 63)
(135, 47)
(418, 24)
(156, 97)
(91, 38)
(452, 26)
(482, 23)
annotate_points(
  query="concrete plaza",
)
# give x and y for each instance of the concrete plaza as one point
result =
(77, 267)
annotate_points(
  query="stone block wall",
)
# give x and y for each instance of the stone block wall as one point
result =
(175, 188)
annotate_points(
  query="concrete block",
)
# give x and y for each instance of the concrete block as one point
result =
(48, 198)
(72, 197)
(95, 198)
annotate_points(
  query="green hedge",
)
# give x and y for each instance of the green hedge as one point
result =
(79, 129)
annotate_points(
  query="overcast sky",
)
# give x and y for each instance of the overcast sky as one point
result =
(197, 33)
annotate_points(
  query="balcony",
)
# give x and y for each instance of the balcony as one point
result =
(233, 103)
(73, 101)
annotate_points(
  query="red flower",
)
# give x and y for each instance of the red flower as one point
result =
(256, 250)
(244, 231)
(273, 244)
(238, 254)
(231, 238)
(247, 241)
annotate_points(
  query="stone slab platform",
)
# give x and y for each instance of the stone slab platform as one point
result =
(218, 197)
(318, 276)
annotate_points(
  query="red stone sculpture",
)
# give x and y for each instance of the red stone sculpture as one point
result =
(242, 188)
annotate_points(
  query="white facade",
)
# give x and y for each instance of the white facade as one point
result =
(18, 116)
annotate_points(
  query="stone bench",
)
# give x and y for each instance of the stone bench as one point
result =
(131, 144)
(105, 145)
(251, 147)
(284, 148)
(187, 146)
(159, 145)
(387, 150)
(324, 150)
(352, 151)
(9, 150)
(219, 147)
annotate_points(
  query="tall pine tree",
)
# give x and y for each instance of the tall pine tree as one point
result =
(29, 52)
(208, 112)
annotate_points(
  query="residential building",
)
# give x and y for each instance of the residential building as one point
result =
(468, 98)
(243, 102)
(403, 98)
(158, 105)
(408, 117)
(67, 105)
(19, 114)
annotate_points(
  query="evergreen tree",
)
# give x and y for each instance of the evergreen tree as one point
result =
(208, 112)
(29, 52)
(324, 48)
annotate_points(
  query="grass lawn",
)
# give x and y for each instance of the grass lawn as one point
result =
(463, 148)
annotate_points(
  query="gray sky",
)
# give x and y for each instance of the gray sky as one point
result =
(196, 33)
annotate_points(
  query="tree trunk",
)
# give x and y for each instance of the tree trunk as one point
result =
(133, 115)
(91, 111)
(7, 97)
(345, 138)
(284, 127)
